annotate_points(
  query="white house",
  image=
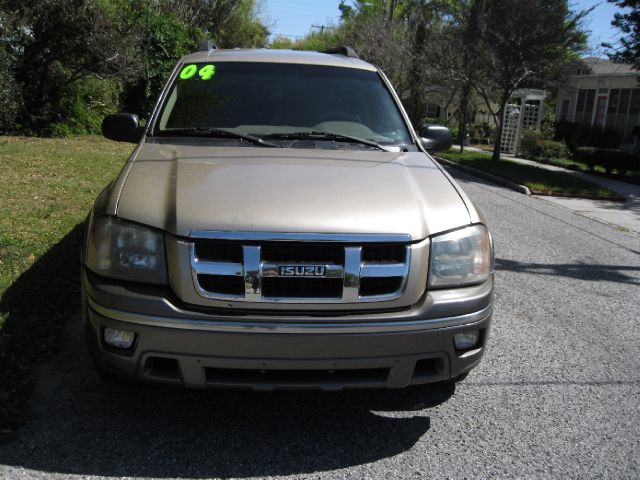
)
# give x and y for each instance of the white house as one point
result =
(602, 94)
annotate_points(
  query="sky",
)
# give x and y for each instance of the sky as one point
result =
(296, 18)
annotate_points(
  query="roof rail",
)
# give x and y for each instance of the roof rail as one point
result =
(342, 50)
(205, 46)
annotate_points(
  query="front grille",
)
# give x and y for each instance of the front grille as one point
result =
(384, 253)
(303, 253)
(224, 284)
(302, 287)
(373, 286)
(265, 270)
(219, 251)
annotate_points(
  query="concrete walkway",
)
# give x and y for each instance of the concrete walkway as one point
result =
(623, 215)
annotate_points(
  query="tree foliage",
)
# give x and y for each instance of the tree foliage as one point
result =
(164, 38)
(229, 23)
(628, 23)
(519, 52)
(63, 63)
(397, 36)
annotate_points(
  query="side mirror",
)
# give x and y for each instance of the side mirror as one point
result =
(122, 127)
(436, 138)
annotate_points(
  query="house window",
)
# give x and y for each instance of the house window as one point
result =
(633, 119)
(614, 96)
(564, 110)
(584, 106)
(624, 100)
(612, 110)
(623, 112)
(433, 110)
(581, 98)
(634, 109)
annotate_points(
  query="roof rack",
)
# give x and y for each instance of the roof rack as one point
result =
(206, 45)
(342, 50)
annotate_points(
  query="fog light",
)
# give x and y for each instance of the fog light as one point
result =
(118, 338)
(466, 340)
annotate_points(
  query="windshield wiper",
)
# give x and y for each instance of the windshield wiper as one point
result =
(328, 136)
(216, 132)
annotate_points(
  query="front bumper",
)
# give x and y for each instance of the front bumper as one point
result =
(194, 348)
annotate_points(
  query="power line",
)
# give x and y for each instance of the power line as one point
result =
(286, 35)
(323, 27)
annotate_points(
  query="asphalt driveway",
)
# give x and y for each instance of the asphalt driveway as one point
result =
(557, 395)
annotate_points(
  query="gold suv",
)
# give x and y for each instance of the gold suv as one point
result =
(279, 224)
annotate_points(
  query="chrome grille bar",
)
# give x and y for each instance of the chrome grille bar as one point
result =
(219, 268)
(303, 237)
(351, 289)
(384, 270)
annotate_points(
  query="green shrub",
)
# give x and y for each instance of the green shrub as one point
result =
(529, 143)
(575, 136)
(551, 149)
(61, 130)
(89, 101)
(167, 38)
(548, 124)
(432, 121)
(455, 132)
(608, 158)
(534, 144)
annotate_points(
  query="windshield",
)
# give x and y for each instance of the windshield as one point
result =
(282, 101)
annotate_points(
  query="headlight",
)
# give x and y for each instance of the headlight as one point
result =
(461, 257)
(124, 250)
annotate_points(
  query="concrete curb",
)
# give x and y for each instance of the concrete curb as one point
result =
(487, 176)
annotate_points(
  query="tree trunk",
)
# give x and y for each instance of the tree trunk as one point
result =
(418, 104)
(499, 125)
(470, 52)
(463, 114)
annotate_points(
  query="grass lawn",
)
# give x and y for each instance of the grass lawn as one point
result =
(538, 180)
(629, 177)
(47, 187)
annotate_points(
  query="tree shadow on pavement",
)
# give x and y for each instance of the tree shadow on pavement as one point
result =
(582, 271)
(83, 425)
(37, 304)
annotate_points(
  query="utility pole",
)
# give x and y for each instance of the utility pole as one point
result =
(321, 27)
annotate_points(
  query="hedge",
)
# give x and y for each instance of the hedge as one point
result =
(608, 158)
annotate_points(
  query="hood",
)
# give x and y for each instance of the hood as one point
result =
(181, 188)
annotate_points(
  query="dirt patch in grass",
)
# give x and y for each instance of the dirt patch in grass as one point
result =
(47, 187)
(538, 180)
